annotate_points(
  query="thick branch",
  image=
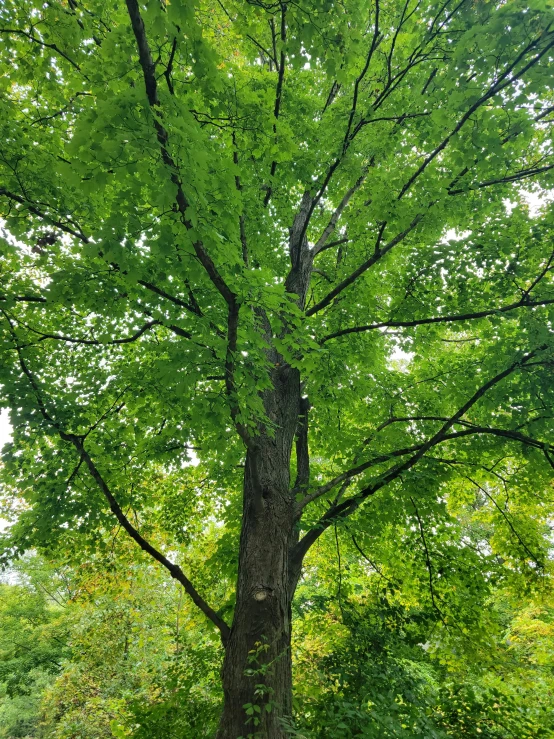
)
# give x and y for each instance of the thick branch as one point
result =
(174, 570)
(302, 449)
(349, 474)
(322, 241)
(32, 207)
(169, 68)
(348, 506)
(23, 298)
(471, 430)
(375, 257)
(238, 185)
(503, 81)
(523, 303)
(278, 95)
(230, 361)
(148, 68)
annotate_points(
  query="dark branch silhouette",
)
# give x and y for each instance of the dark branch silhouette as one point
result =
(78, 443)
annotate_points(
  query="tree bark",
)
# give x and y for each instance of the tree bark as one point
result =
(257, 670)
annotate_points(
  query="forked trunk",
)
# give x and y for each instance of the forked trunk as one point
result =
(257, 670)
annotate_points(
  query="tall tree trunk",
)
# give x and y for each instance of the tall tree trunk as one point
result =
(257, 670)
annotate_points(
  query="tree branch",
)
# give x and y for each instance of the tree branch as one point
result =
(514, 177)
(347, 140)
(169, 68)
(32, 207)
(238, 185)
(349, 474)
(427, 556)
(497, 87)
(148, 69)
(40, 42)
(23, 298)
(331, 244)
(264, 51)
(374, 42)
(471, 430)
(278, 95)
(375, 257)
(333, 92)
(174, 570)
(149, 74)
(321, 242)
(302, 449)
(230, 360)
(63, 110)
(348, 506)
(523, 303)
(485, 492)
(389, 86)
(192, 308)
(96, 342)
(368, 560)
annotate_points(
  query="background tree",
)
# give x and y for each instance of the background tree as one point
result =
(34, 635)
(131, 658)
(221, 222)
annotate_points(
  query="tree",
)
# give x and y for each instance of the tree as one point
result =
(222, 221)
(33, 644)
(360, 669)
(373, 658)
(135, 649)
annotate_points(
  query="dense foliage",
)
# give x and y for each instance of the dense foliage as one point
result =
(109, 649)
(276, 305)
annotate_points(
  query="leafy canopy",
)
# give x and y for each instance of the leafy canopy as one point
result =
(155, 161)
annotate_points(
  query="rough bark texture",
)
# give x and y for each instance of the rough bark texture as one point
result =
(258, 650)
(257, 670)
